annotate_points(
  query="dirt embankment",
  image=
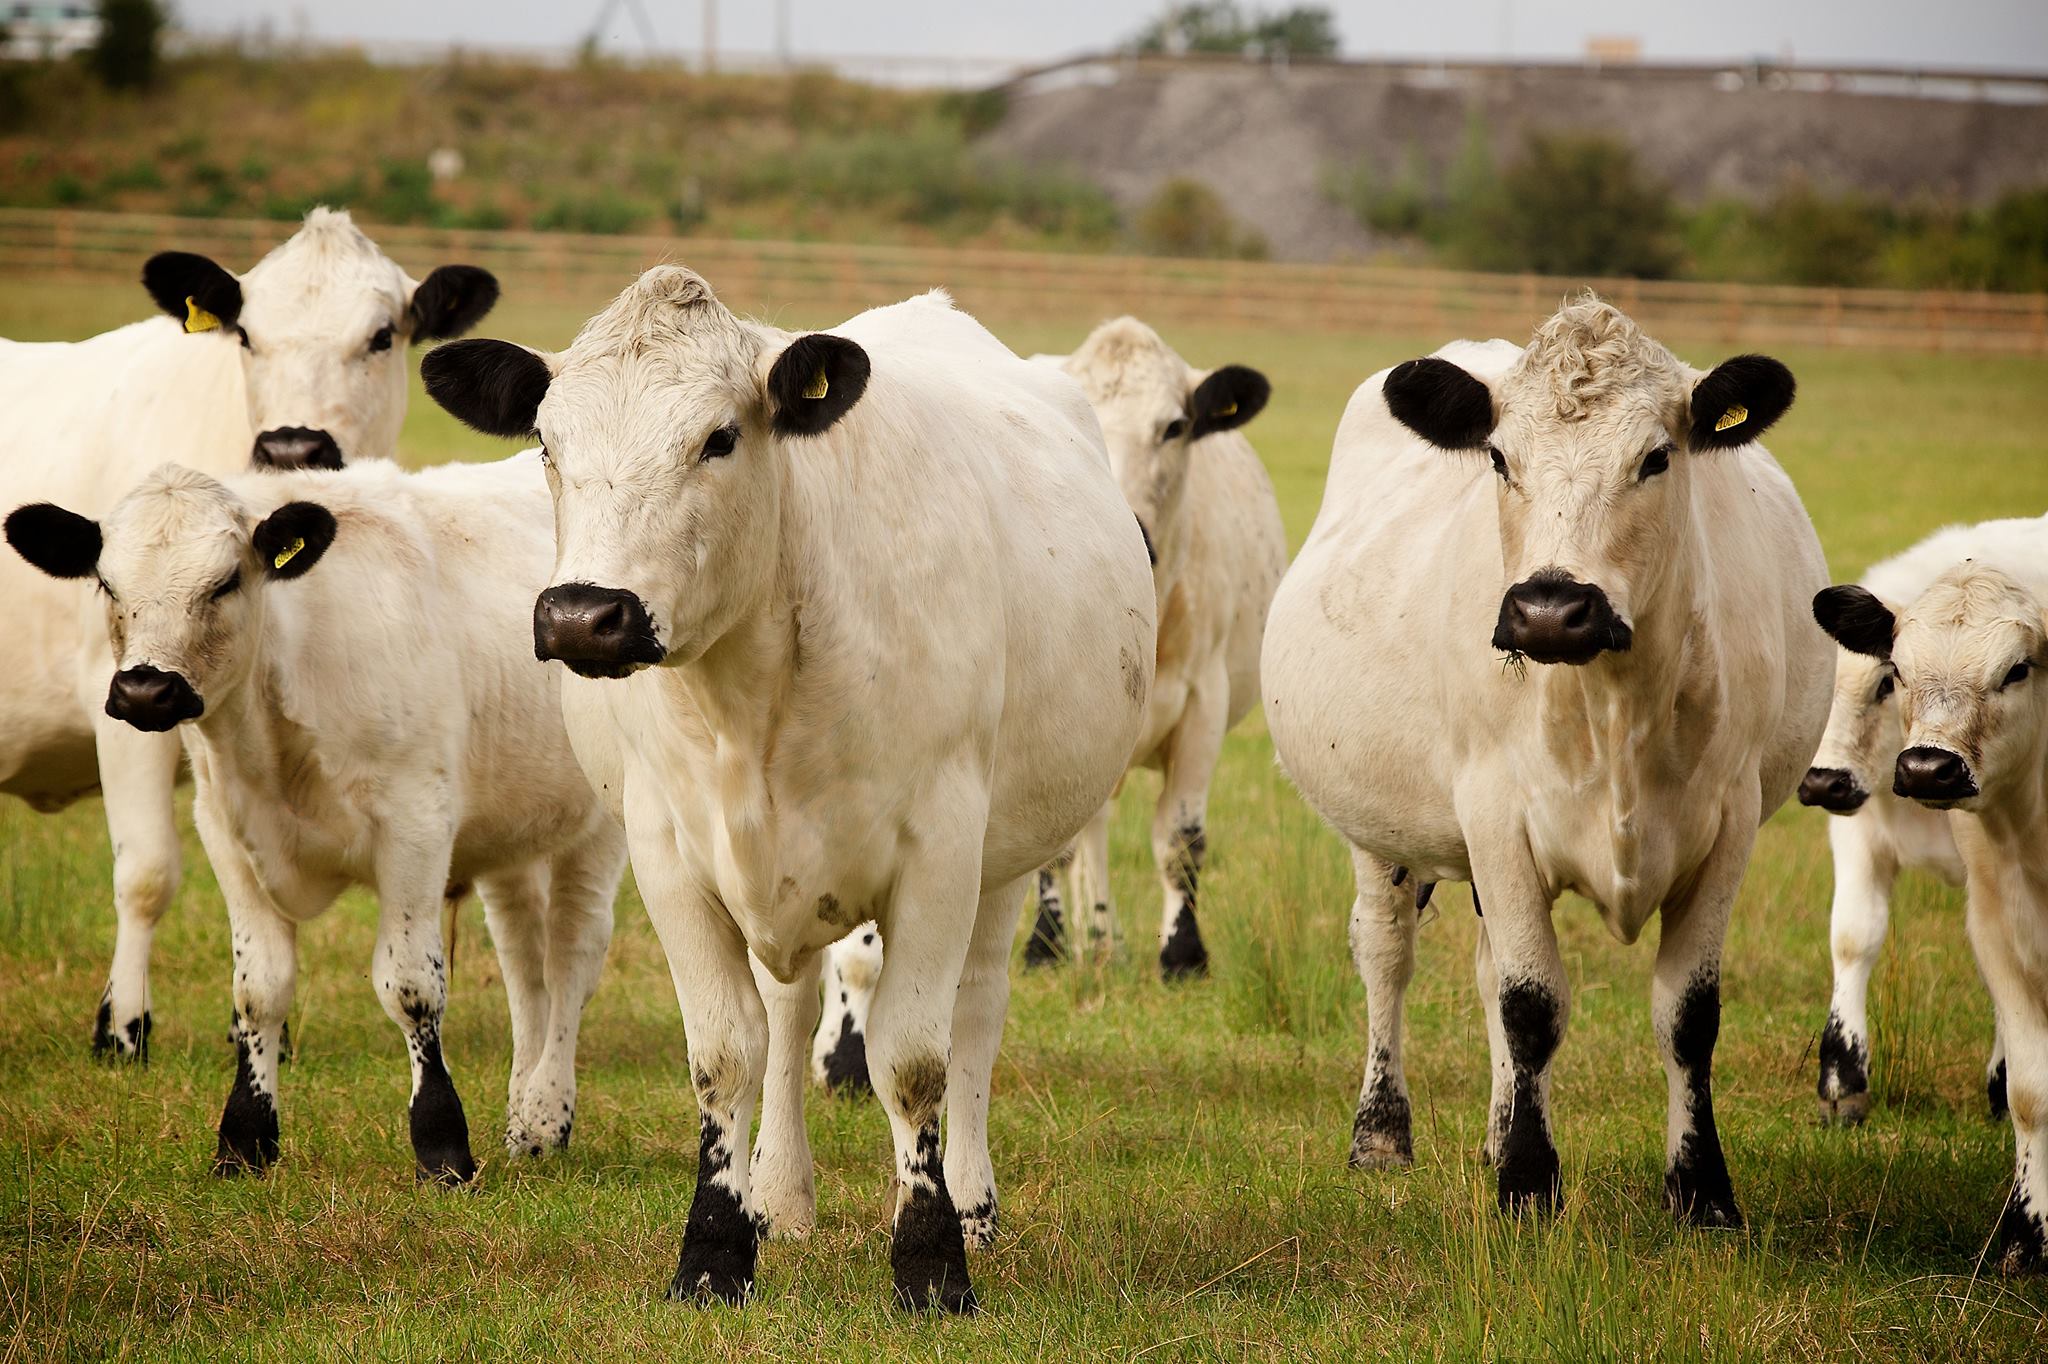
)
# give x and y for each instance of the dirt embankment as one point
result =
(1269, 139)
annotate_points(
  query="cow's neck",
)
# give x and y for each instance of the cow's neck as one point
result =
(248, 731)
(2013, 826)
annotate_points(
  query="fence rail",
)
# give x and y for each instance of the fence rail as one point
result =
(759, 275)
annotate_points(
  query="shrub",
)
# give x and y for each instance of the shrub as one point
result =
(607, 212)
(1220, 26)
(1185, 217)
(1571, 204)
(125, 56)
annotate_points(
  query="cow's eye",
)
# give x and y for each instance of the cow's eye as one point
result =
(1500, 462)
(228, 584)
(1175, 429)
(382, 339)
(1884, 688)
(721, 442)
(547, 461)
(243, 332)
(1654, 463)
(2017, 675)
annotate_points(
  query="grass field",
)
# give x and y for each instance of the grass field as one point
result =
(1172, 1160)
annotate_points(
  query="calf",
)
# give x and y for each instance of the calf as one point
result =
(1549, 634)
(875, 633)
(345, 654)
(1877, 833)
(1970, 656)
(294, 364)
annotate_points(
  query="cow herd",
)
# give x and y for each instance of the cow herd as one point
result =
(861, 630)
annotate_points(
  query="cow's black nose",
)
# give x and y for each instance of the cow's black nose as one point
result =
(597, 631)
(295, 447)
(1831, 789)
(152, 699)
(1934, 775)
(1555, 619)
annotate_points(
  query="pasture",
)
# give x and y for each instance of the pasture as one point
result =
(1171, 1159)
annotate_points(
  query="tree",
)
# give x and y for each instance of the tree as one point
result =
(1220, 26)
(125, 55)
(1572, 204)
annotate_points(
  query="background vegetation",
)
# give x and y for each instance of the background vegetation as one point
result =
(1223, 26)
(1171, 1160)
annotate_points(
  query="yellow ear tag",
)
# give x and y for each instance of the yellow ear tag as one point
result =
(197, 319)
(1734, 416)
(285, 555)
(819, 386)
(1230, 411)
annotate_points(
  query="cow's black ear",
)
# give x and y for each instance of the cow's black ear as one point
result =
(490, 386)
(813, 383)
(450, 301)
(1738, 402)
(1227, 399)
(193, 289)
(1855, 619)
(1441, 403)
(291, 539)
(61, 543)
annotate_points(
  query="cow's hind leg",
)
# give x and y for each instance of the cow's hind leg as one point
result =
(1092, 912)
(784, 1192)
(1383, 923)
(839, 1053)
(515, 910)
(1994, 1073)
(978, 1012)
(1047, 945)
(410, 971)
(137, 774)
(1857, 919)
(1180, 840)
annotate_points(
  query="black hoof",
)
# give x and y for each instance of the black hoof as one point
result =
(440, 1132)
(1699, 1207)
(720, 1245)
(1184, 957)
(928, 1256)
(709, 1281)
(1531, 1182)
(1994, 1093)
(2022, 1239)
(248, 1138)
(846, 1065)
(129, 1042)
(1047, 944)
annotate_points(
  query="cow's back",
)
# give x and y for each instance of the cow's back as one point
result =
(86, 420)
(1236, 555)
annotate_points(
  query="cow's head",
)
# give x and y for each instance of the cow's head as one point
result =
(667, 426)
(1153, 409)
(1591, 435)
(323, 322)
(1863, 736)
(1967, 655)
(182, 565)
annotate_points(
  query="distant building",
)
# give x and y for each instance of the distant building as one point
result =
(42, 31)
(1614, 49)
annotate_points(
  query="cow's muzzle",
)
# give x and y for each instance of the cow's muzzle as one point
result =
(152, 699)
(1554, 618)
(1833, 790)
(1933, 776)
(295, 447)
(597, 631)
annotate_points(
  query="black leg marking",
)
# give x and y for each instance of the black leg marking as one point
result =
(1048, 944)
(248, 1124)
(440, 1132)
(846, 1065)
(928, 1255)
(1696, 1187)
(1844, 1086)
(1183, 955)
(1994, 1091)
(106, 1040)
(1381, 1133)
(721, 1239)
(2022, 1237)
(1527, 1165)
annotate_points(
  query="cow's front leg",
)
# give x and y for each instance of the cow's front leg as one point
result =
(410, 971)
(910, 1025)
(137, 774)
(515, 911)
(839, 1053)
(1857, 919)
(2023, 1029)
(1383, 922)
(1179, 837)
(1685, 1011)
(784, 1191)
(1522, 978)
(979, 1009)
(1994, 1073)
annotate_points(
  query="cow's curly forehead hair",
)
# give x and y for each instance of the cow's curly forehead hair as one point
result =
(1587, 356)
(1124, 356)
(667, 325)
(170, 503)
(1976, 598)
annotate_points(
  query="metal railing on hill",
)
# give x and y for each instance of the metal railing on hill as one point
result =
(759, 276)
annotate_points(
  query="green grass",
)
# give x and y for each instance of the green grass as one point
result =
(1172, 1161)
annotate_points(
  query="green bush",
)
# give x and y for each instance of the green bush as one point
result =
(1571, 204)
(1185, 217)
(125, 56)
(405, 195)
(1221, 26)
(607, 212)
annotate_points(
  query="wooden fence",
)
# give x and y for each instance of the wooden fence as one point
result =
(760, 276)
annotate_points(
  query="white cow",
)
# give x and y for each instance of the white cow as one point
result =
(290, 365)
(1549, 633)
(1971, 661)
(1878, 832)
(904, 629)
(346, 656)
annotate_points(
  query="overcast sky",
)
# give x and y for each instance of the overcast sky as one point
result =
(2008, 34)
